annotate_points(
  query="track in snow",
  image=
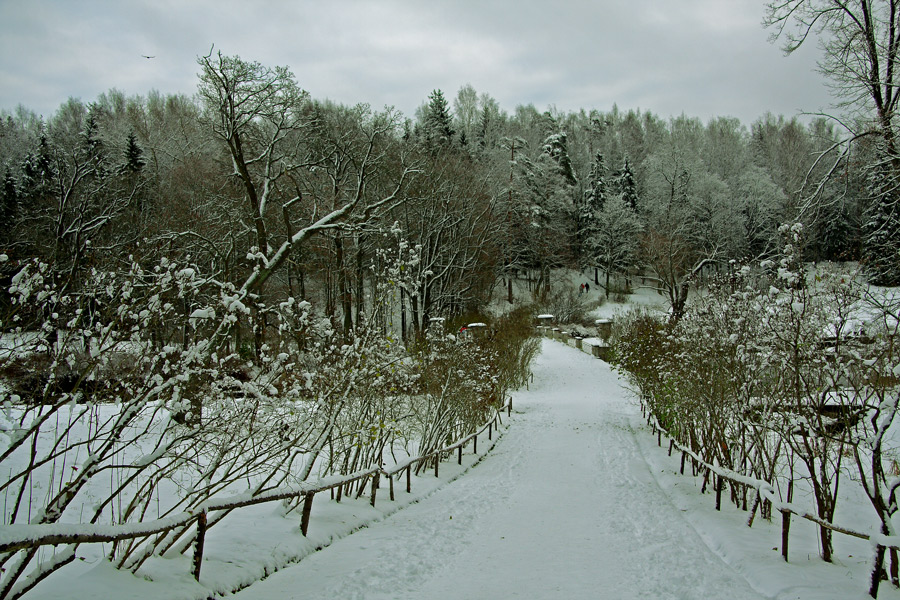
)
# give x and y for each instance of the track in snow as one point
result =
(563, 507)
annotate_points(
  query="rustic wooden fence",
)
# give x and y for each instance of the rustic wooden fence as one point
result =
(766, 491)
(21, 537)
(717, 475)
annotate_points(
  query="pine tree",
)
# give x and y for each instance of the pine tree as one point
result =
(483, 127)
(590, 207)
(438, 122)
(595, 196)
(37, 170)
(614, 243)
(557, 146)
(881, 243)
(838, 233)
(91, 144)
(9, 203)
(134, 155)
(624, 184)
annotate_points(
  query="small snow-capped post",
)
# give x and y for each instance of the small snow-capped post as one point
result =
(786, 522)
(198, 547)
(719, 492)
(478, 331)
(307, 508)
(545, 321)
(785, 532)
(877, 570)
(375, 480)
(604, 328)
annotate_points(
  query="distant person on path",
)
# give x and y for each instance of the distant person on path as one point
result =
(587, 288)
(581, 289)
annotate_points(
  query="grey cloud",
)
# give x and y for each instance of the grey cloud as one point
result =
(699, 57)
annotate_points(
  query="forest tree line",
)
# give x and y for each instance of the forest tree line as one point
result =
(230, 179)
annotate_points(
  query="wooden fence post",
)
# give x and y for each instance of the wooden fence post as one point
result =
(198, 548)
(491, 424)
(877, 571)
(408, 477)
(683, 457)
(307, 508)
(391, 484)
(756, 504)
(376, 477)
(895, 568)
(671, 445)
(475, 444)
(718, 492)
(437, 462)
(785, 531)
(459, 455)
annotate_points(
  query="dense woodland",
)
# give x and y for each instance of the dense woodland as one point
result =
(259, 185)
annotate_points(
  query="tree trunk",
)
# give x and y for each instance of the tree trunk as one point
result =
(344, 294)
(360, 284)
(414, 314)
(403, 315)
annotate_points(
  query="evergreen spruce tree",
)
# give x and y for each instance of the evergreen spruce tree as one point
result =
(9, 202)
(624, 184)
(596, 193)
(557, 146)
(838, 233)
(37, 171)
(589, 210)
(881, 243)
(91, 144)
(438, 122)
(484, 126)
(134, 155)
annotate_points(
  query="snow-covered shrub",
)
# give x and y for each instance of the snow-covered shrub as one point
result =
(141, 405)
(782, 378)
(136, 392)
(642, 348)
(567, 306)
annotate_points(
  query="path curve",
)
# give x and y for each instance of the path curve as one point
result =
(563, 507)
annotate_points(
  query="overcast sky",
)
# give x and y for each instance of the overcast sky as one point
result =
(703, 58)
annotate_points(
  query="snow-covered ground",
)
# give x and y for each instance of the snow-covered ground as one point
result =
(574, 501)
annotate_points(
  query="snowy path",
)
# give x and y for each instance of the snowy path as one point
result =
(564, 507)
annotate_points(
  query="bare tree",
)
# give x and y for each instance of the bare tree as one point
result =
(261, 116)
(860, 41)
